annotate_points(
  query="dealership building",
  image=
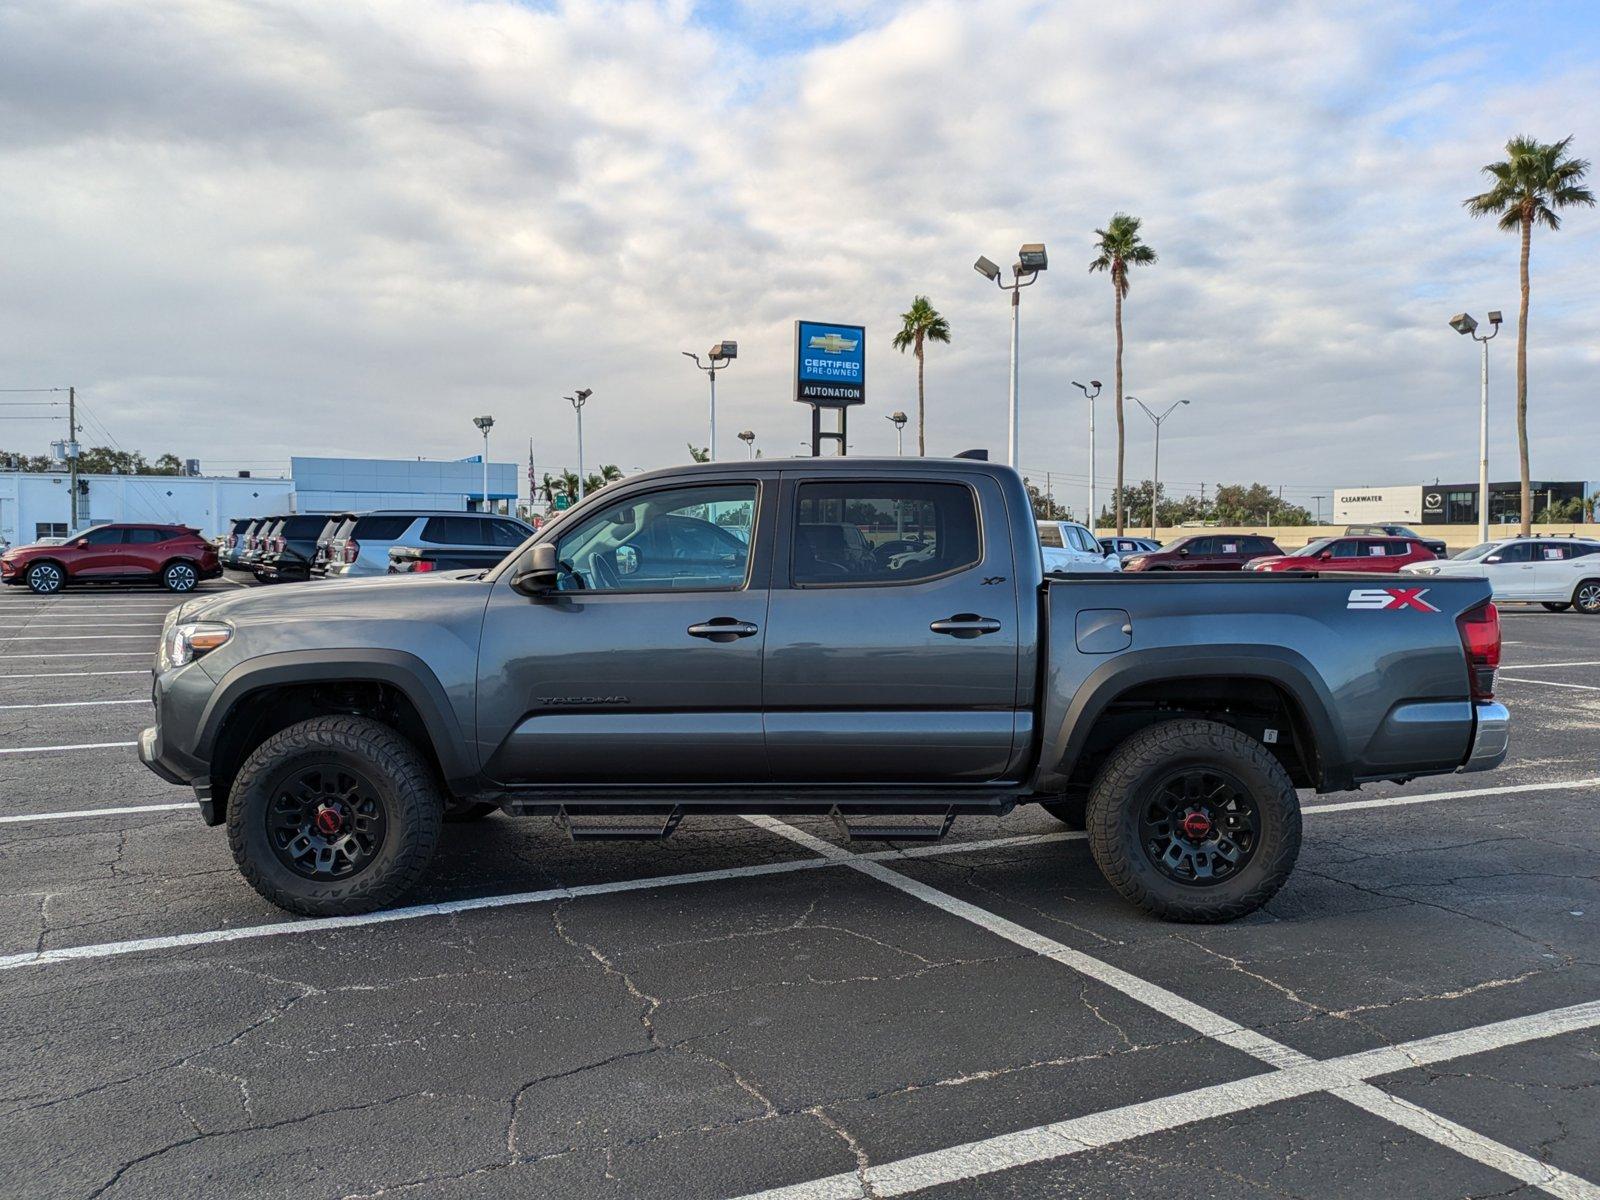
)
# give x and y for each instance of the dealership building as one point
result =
(35, 504)
(1449, 503)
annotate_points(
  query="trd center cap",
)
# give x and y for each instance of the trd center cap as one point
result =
(328, 821)
(1195, 826)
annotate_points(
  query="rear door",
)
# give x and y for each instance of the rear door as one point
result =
(645, 667)
(144, 549)
(902, 667)
(1553, 575)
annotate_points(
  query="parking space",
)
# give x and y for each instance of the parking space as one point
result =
(758, 1005)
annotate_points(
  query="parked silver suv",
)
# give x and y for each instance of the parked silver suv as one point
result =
(361, 546)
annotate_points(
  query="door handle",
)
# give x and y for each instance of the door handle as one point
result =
(724, 629)
(966, 625)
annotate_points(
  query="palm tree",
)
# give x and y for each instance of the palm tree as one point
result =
(1120, 248)
(921, 324)
(1530, 186)
(596, 480)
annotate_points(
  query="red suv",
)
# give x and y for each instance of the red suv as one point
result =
(1383, 555)
(1204, 552)
(173, 555)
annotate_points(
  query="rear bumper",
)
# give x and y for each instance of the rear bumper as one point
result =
(1491, 737)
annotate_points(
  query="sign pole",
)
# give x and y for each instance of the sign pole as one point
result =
(1011, 437)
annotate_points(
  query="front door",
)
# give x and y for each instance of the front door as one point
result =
(645, 666)
(1510, 572)
(101, 553)
(892, 645)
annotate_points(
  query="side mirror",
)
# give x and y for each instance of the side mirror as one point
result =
(1183, 551)
(542, 572)
(1325, 555)
(1493, 558)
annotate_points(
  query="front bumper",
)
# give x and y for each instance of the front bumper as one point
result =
(1491, 737)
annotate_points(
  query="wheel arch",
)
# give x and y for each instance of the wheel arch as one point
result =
(260, 696)
(1249, 687)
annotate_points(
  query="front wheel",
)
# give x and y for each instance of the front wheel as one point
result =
(1587, 598)
(334, 816)
(179, 577)
(45, 579)
(1194, 821)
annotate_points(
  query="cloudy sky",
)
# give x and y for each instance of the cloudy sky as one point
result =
(250, 230)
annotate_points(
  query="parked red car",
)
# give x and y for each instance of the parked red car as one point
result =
(1204, 552)
(173, 555)
(1384, 555)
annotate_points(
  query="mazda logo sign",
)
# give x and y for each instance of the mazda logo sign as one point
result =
(1434, 500)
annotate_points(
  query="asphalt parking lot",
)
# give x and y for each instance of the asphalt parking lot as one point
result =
(755, 1007)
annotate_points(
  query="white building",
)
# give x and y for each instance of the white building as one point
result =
(35, 505)
(1375, 505)
(360, 484)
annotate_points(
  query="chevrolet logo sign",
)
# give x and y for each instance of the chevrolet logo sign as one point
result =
(833, 343)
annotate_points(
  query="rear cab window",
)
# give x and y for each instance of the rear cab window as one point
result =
(853, 532)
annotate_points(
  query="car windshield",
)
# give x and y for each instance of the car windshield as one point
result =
(1478, 551)
(1312, 549)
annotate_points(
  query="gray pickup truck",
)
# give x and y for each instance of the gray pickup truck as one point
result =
(856, 637)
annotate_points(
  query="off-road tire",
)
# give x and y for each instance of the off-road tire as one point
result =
(180, 576)
(46, 579)
(1124, 782)
(413, 809)
(1553, 606)
(469, 810)
(1071, 811)
(1586, 597)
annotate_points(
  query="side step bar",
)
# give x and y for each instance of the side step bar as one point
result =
(862, 832)
(635, 830)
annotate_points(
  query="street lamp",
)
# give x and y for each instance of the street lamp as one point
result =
(1155, 482)
(485, 424)
(720, 356)
(1464, 324)
(898, 419)
(748, 437)
(578, 399)
(1095, 384)
(1030, 261)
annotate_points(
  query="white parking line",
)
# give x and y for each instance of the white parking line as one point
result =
(79, 654)
(1543, 666)
(74, 637)
(80, 746)
(76, 703)
(1340, 1076)
(1463, 1141)
(69, 674)
(1582, 687)
(99, 812)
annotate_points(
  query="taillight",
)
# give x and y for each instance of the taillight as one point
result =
(423, 564)
(352, 551)
(233, 540)
(1480, 638)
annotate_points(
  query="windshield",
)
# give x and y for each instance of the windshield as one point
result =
(1312, 549)
(1478, 551)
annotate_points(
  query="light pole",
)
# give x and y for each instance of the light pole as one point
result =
(1030, 261)
(898, 419)
(720, 355)
(1095, 384)
(1155, 483)
(485, 424)
(579, 399)
(748, 437)
(1464, 323)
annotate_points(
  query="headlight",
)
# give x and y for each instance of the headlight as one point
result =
(182, 643)
(1422, 570)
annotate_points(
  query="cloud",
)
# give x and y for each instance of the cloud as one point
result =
(252, 230)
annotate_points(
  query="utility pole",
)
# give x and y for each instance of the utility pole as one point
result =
(1318, 499)
(72, 457)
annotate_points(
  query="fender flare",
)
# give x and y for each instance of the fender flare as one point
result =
(407, 672)
(1274, 664)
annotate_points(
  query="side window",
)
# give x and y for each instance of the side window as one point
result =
(681, 538)
(146, 537)
(1084, 540)
(506, 533)
(888, 531)
(454, 531)
(1050, 535)
(104, 536)
(1554, 552)
(1515, 552)
(1345, 548)
(1581, 550)
(1199, 545)
(380, 529)
(1258, 545)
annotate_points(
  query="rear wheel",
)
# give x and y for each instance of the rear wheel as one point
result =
(1551, 606)
(179, 577)
(46, 578)
(1194, 821)
(334, 816)
(1587, 597)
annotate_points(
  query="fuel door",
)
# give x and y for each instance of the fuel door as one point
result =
(1104, 630)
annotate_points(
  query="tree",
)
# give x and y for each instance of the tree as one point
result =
(1120, 248)
(167, 464)
(699, 453)
(1533, 183)
(596, 480)
(921, 324)
(1045, 507)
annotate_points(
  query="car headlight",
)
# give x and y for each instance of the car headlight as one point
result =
(183, 642)
(1414, 570)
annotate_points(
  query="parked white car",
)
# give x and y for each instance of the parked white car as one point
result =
(1560, 573)
(1068, 546)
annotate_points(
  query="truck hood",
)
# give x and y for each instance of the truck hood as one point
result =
(383, 597)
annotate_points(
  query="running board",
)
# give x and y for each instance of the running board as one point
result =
(859, 832)
(591, 832)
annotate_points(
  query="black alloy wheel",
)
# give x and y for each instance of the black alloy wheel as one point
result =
(326, 821)
(1200, 826)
